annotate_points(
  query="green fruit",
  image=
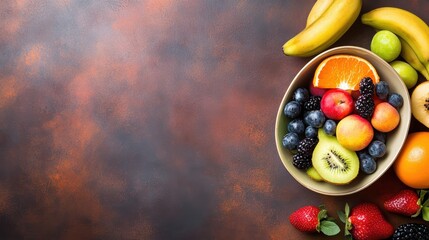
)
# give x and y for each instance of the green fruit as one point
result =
(313, 174)
(407, 73)
(386, 45)
(335, 163)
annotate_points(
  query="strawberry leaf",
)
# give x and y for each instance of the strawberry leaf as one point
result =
(342, 216)
(347, 209)
(329, 228)
(348, 224)
(422, 193)
(425, 213)
(323, 213)
(421, 199)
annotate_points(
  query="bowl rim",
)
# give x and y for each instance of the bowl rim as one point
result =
(330, 52)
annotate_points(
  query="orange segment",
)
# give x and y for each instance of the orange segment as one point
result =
(344, 71)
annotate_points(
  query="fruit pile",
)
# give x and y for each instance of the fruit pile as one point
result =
(339, 124)
(366, 221)
(399, 33)
(403, 34)
(402, 40)
(337, 127)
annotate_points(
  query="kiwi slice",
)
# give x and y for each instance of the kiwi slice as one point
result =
(313, 174)
(335, 163)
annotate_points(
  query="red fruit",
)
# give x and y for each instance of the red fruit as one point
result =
(305, 219)
(336, 104)
(365, 222)
(315, 91)
(313, 219)
(405, 202)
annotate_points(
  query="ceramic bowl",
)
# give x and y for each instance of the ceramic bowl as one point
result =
(395, 139)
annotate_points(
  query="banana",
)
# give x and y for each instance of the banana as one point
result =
(325, 30)
(317, 10)
(404, 24)
(408, 54)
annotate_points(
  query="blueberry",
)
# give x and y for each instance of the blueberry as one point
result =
(377, 149)
(311, 132)
(329, 127)
(396, 100)
(315, 118)
(380, 136)
(301, 95)
(290, 141)
(292, 109)
(382, 89)
(367, 163)
(296, 126)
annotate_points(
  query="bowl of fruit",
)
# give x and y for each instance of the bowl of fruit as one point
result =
(342, 121)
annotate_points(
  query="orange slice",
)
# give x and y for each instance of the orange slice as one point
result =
(344, 71)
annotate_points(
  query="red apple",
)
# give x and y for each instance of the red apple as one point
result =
(336, 104)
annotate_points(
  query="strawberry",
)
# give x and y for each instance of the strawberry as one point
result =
(313, 219)
(409, 203)
(405, 202)
(365, 222)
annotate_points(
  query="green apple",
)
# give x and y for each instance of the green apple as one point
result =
(386, 45)
(407, 73)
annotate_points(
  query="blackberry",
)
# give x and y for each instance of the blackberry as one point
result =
(301, 161)
(364, 105)
(412, 231)
(313, 103)
(307, 145)
(366, 86)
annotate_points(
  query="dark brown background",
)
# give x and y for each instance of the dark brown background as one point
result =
(153, 119)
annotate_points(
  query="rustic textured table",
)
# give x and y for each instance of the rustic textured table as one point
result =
(154, 119)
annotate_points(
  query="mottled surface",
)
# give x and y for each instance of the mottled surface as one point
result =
(153, 119)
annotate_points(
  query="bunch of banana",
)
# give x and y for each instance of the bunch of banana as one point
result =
(411, 30)
(327, 22)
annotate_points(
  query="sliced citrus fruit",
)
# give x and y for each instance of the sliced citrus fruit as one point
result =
(344, 71)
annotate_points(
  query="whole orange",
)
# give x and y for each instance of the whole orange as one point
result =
(412, 164)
